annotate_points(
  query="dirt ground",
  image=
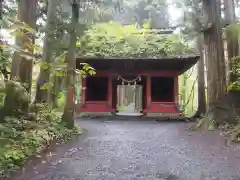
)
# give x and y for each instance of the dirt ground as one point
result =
(138, 150)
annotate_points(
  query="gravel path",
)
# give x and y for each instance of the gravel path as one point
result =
(140, 150)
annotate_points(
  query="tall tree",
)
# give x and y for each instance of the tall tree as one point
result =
(21, 66)
(42, 94)
(17, 99)
(232, 40)
(201, 110)
(193, 22)
(69, 110)
(142, 10)
(159, 14)
(3, 65)
(1, 10)
(1, 39)
(216, 74)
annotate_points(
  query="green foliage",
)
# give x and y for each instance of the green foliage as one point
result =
(85, 69)
(114, 40)
(235, 134)
(235, 86)
(61, 100)
(233, 30)
(17, 99)
(2, 91)
(25, 128)
(21, 138)
(18, 30)
(188, 92)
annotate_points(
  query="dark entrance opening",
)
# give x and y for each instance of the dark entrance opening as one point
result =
(162, 89)
(97, 89)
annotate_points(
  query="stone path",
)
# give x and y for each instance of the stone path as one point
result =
(140, 150)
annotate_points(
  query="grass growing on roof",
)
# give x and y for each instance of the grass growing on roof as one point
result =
(114, 40)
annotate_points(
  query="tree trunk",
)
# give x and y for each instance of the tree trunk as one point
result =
(17, 96)
(1, 9)
(56, 90)
(3, 68)
(232, 40)
(68, 115)
(201, 80)
(216, 71)
(1, 38)
(42, 95)
(22, 67)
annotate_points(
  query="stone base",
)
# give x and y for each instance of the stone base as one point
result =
(164, 116)
(94, 114)
(129, 114)
(155, 116)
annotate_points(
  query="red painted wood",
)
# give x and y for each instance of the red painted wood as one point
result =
(148, 92)
(84, 92)
(96, 106)
(110, 91)
(151, 107)
(176, 91)
(162, 107)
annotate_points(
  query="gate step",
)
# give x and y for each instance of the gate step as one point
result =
(129, 114)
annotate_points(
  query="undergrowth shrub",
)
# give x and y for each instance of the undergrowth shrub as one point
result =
(235, 132)
(17, 99)
(21, 137)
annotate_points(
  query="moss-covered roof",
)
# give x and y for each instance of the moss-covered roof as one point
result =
(113, 46)
(112, 40)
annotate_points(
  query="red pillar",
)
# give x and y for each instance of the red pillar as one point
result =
(148, 91)
(176, 90)
(110, 91)
(84, 88)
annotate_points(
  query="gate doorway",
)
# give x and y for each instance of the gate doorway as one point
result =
(129, 100)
